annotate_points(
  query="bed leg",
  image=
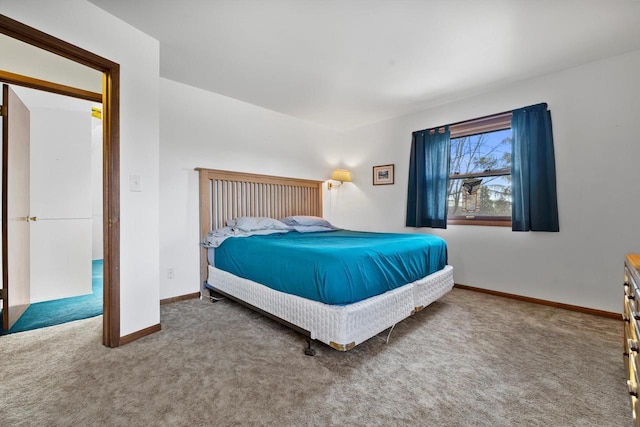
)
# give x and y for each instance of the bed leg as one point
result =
(213, 297)
(309, 351)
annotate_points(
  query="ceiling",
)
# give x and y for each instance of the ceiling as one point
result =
(347, 63)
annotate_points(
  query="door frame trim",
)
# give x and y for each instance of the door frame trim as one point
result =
(43, 85)
(111, 159)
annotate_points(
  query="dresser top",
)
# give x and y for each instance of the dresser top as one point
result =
(633, 262)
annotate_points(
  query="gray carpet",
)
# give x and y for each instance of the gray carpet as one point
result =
(467, 360)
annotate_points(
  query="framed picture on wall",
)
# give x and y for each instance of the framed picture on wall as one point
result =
(383, 175)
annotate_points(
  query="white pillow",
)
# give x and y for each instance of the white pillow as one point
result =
(307, 220)
(253, 223)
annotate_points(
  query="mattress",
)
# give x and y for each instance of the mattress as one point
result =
(340, 326)
(335, 268)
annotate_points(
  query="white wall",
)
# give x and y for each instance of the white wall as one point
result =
(85, 25)
(60, 170)
(203, 129)
(23, 58)
(595, 110)
(593, 107)
(60, 163)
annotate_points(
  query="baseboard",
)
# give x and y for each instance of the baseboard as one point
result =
(180, 298)
(155, 328)
(139, 334)
(592, 311)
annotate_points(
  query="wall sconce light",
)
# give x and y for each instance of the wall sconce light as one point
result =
(96, 112)
(341, 175)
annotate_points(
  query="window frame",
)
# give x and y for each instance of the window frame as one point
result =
(492, 123)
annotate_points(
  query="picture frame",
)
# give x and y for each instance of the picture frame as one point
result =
(383, 175)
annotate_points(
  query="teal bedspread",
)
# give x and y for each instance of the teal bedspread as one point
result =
(335, 267)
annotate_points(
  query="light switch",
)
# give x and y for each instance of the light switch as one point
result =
(135, 183)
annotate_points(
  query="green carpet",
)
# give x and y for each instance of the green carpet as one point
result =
(56, 312)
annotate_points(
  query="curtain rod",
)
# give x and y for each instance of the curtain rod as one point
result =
(504, 113)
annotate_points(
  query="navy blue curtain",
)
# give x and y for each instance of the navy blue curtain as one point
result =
(428, 179)
(533, 171)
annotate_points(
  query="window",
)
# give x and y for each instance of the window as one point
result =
(479, 189)
(481, 168)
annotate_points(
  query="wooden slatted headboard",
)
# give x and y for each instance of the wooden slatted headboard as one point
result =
(228, 195)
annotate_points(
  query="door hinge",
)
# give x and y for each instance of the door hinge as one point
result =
(3, 294)
(3, 110)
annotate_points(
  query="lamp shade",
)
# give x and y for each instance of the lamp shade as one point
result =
(341, 175)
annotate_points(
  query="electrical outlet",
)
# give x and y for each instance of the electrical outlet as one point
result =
(171, 273)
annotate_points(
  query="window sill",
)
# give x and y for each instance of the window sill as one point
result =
(480, 221)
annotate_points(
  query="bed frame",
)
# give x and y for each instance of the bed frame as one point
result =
(226, 195)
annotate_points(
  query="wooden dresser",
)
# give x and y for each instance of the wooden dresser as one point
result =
(631, 317)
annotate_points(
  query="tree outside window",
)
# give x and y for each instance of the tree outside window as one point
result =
(480, 177)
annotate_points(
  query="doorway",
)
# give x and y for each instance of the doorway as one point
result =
(111, 160)
(65, 191)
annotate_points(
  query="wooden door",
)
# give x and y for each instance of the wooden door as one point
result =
(15, 208)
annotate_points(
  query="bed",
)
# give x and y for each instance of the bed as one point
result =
(341, 319)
